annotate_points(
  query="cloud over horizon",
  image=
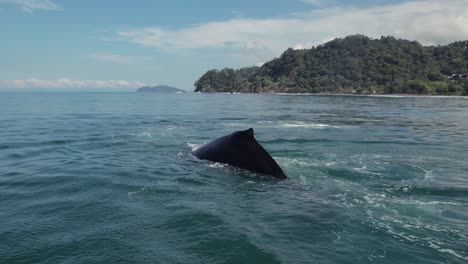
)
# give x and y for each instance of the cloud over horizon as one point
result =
(116, 58)
(312, 2)
(60, 83)
(427, 21)
(30, 5)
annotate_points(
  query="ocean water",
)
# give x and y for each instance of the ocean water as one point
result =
(109, 178)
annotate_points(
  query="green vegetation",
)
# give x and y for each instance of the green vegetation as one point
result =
(355, 64)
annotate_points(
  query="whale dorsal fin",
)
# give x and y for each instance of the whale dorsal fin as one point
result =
(241, 149)
(249, 132)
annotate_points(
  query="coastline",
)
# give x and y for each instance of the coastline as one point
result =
(378, 95)
(352, 95)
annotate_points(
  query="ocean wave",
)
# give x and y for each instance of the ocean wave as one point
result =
(294, 163)
(306, 125)
(412, 230)
(428, 190)
(147, 133)
(233, 124)
(24, 144)
(382, 198)
(446, 250)
(281, 124)
(364, 170)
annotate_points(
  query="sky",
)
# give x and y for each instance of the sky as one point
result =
(117, 45)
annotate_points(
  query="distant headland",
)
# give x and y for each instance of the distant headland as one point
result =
(352, 65)
(160, 89)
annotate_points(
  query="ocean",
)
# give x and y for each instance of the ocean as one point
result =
(109, 178)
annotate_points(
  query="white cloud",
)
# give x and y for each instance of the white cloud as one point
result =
(31, 5)
(117, 58)
(61, 83)
(428, 21)
(312, 2)
(299, 46)
(235, 34)
(259, 64)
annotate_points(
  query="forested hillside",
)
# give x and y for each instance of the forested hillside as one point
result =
(354, 64)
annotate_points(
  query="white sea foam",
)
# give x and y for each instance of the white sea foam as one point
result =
(303, 180)
(386, 223)
(305, 125)
(428, 175)
(131, 194)
(274, 124)
(232, 124)
(434, 245)
(216, 165)
(293, 163)
(364, 170)
(262, 123)
(149, 133)
(193, 147)
(416, 202)
(142, 134)
(265, 122)
(382, 198)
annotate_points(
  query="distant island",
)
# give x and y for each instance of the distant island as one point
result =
(160, 89)
(352, 65)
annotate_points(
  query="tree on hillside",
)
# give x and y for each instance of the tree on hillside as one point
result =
(350, 64)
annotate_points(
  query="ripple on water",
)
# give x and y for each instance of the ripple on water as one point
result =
(89, 178)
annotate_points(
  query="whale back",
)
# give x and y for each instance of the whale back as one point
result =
(241, 149)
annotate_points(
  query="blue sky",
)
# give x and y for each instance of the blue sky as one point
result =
(119, 45)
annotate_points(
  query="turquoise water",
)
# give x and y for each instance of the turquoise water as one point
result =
(109, 178)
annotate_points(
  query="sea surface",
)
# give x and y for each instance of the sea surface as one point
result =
(109, 178)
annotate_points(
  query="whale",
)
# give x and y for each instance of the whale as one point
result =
(241, 149)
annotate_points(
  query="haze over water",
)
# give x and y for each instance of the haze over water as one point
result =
(109, 178)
